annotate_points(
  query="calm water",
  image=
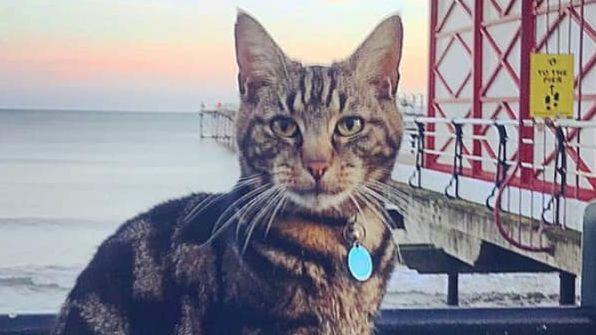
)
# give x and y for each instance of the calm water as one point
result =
(68, 178)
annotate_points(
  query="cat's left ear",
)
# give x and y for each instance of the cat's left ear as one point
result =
(260, 60)
(376, 61)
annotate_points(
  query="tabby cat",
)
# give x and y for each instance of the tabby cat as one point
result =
(316, 147)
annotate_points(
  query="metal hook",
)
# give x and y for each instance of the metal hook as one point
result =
(502, 165)
(457, 162)
(419, 157)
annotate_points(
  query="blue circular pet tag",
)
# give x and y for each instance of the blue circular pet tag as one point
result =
(359, 262)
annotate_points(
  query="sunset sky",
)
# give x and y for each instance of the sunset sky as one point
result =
(174, 54)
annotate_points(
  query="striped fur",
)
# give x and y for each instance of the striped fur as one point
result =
(269, 257)
(317, 98)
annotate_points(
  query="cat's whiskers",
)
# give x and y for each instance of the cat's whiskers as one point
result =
(387, 185)
(270, 205)
(240, 205)
(253, 176)
(355, 202)
(390, 189)
(375, 206)
(352, 198)
(225, 219)
(384, 199)
(378, 207)
(208, 201)
(389, 195)
(252, 206)
(278, 208)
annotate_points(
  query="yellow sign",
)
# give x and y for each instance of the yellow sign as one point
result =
(551, 85)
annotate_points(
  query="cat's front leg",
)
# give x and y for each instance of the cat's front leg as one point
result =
(191, 320)
(91, 316)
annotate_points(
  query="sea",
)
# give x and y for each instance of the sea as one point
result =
(68, 179)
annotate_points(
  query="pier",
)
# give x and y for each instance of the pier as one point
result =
(218, 124)
(488, 185)
(492, 186)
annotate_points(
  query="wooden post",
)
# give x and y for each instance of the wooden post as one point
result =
(452, 289)
(566, 288)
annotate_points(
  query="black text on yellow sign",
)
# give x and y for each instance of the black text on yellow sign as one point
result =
(551, 85)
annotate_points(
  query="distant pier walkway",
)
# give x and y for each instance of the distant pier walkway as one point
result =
(218, 124)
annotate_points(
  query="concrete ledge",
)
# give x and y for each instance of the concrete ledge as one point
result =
(427, 259)
(488, 321)
(459, 227)
(485, 321)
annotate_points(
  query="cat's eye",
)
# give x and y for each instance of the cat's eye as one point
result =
(284, 127)
(349, 126)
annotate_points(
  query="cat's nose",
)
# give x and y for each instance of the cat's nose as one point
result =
(317, 169)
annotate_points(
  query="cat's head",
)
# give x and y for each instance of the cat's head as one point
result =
(321, 133)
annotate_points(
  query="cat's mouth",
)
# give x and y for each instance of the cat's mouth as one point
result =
(312, 194)
(318, 199)
(316, 191)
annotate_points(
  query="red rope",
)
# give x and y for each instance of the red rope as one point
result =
(499, 224)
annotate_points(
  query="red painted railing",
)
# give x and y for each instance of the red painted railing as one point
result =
(479, 59)
(506, 33)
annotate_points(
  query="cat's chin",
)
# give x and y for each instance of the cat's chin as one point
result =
(319, 202)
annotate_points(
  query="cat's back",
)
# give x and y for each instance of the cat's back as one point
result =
(131, 281)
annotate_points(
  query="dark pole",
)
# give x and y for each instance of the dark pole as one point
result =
(589, 258)
(452, 289)
(477, 83)
(566, 288)
(527, 46)
(201, 124)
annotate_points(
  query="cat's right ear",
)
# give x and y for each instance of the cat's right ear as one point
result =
(376, 61)
(260, 60)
